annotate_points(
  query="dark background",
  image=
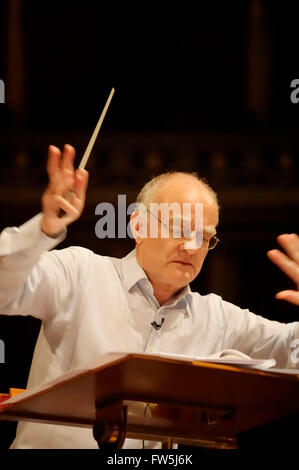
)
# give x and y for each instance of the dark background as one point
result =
(199, 87)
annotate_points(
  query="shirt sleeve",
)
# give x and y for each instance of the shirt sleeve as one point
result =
(27, 270)
(259, 337)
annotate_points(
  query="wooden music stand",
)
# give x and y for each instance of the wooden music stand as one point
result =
(169, 400)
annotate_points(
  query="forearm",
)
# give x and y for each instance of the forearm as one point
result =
(20, 250)
(259, 337)
(279, 346)
(293, 357)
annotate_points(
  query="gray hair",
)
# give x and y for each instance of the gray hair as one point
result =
(146, 195)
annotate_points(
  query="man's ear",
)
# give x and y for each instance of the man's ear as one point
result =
(138, 226)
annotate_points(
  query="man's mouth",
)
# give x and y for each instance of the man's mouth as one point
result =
(184, 263)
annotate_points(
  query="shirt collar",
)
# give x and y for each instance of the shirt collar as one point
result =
(133, 273)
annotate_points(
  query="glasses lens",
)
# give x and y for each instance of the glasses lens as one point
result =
(213, 242)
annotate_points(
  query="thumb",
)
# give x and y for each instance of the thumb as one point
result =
(291, 296)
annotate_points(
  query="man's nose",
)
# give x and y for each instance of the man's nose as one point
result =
(191, 250)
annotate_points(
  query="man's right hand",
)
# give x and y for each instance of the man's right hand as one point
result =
(64, 181)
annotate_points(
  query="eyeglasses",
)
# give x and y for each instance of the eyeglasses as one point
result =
(176, 228)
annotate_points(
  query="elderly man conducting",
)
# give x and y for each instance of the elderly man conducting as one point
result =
(90, 304)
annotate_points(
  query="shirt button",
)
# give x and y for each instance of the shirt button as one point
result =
(151, 348)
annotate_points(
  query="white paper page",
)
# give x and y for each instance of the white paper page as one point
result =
(227, 356)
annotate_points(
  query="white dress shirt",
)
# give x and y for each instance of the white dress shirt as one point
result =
(91, 304)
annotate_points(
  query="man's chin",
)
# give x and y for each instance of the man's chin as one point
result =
(182, 277)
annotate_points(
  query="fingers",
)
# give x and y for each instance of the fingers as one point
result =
(288, 266)
(290, 243)
(58, 161)
(288, 263)
(289, 295)
(66, 206)
(65, 184)
(68, 158)
(60, 168)
(81, 182)
(53, 164)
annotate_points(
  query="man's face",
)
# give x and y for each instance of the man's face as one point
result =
(166, 261)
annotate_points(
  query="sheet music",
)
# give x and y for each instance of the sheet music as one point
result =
(227, 356)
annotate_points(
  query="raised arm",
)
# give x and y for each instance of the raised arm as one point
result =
(30, 278)
(289, 263)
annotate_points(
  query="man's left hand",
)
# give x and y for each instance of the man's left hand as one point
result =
(288, 263)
